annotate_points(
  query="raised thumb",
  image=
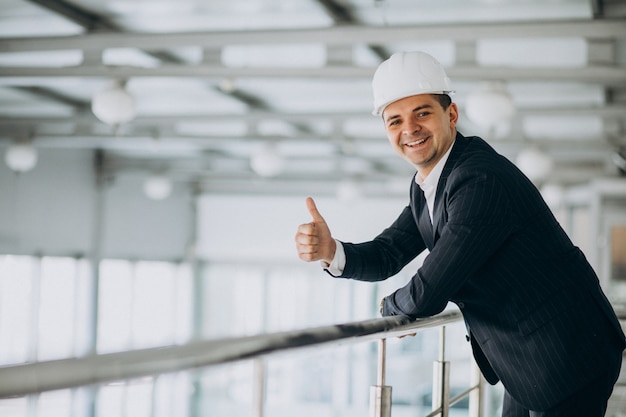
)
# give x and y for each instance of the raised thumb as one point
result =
(315, 214)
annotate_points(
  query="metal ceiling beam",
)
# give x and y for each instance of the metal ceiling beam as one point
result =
(602, 75)
(82, 18)
(331, 167)
(342, 15)
(375, 184)
(598, 8)
(336, 35)
(339, 13)
(93, 22)
(55, 96)
(88, 141)
(90, 21)
(608, 111)
(255, 103)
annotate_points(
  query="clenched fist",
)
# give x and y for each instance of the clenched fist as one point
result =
(313, 240)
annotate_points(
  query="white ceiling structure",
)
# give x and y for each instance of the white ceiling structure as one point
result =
(217, 82)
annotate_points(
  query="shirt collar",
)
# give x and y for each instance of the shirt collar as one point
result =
(433, 178)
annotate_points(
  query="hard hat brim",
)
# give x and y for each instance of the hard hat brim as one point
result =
(381, 108)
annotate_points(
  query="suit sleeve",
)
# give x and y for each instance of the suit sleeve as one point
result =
(478, 220)
(387, 254)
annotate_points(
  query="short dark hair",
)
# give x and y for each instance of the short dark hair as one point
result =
(443, 99)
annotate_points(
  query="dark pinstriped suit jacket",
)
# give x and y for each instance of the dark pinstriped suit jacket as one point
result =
(538, 319)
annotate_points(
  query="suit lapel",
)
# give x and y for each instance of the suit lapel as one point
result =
(439, 210)
(420, 213)
(425, 226)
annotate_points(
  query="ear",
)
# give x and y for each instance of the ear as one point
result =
(454, 114)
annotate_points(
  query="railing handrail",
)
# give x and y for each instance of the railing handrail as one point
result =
(30, 378)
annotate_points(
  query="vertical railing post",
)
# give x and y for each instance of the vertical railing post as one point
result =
(476, 406)
(380, 394)
(259, 387)
(441, 378)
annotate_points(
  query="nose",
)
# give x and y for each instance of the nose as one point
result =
(411, 127)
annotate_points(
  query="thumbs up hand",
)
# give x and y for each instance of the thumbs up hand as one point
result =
(313, 240)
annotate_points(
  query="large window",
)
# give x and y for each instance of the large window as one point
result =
(47, 311)
(143, 304)
(16, 308)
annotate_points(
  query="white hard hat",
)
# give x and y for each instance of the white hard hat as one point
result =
(407, 74)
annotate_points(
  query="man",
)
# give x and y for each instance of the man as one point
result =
(537, 318)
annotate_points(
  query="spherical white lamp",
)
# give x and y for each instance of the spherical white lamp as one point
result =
(113, 105)
(21, 157)
(491, 105)
(534, 163)
(157, 187)
(267, 162)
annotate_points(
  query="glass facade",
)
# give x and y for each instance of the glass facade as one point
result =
(49, 310)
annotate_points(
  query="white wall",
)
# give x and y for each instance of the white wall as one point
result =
(52, 210)
(139, 228)
(263, 229)
(49, 209)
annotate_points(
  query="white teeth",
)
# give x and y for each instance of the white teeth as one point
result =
(417, 142)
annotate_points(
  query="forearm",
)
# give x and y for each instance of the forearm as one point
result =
(386, 254)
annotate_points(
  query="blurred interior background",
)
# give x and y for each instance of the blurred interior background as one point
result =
(156, 157)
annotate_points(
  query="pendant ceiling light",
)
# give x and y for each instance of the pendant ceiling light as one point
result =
(157, 187)
(535, 164)
(21, 156)
(267, 162)
(490, 106)
(114, 105)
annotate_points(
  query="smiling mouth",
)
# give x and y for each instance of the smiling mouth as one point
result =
(416, 143)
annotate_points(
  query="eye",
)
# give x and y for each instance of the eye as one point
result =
(423, 114)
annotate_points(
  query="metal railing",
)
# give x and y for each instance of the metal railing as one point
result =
(32, 378)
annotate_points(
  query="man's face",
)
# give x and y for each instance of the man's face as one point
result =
(420, 130)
